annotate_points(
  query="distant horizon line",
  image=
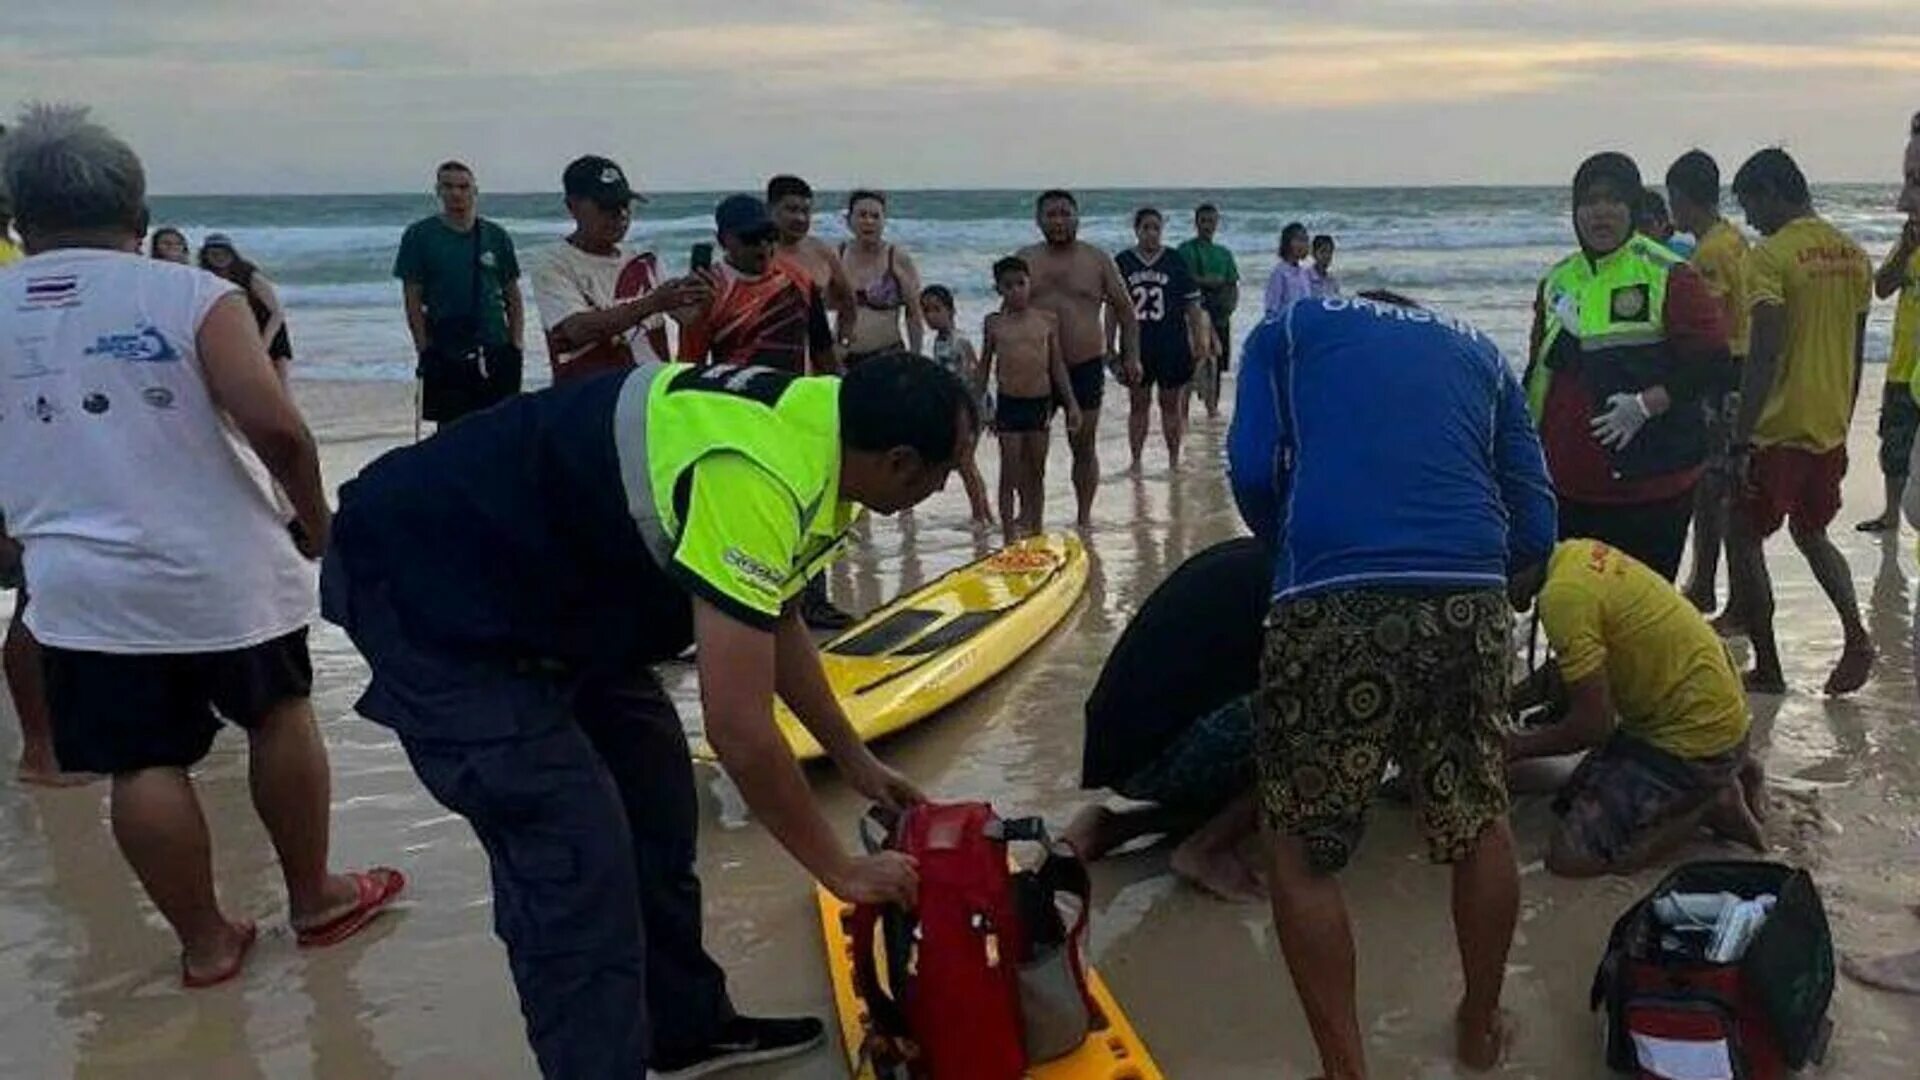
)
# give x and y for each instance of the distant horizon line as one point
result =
(963, 189)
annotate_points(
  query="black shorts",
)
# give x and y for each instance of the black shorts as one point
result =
(1022, 415)
(122, 712)
(1899, 422)
(1169, 369)
(853, 360)
(1223, 327)
(1089, 381)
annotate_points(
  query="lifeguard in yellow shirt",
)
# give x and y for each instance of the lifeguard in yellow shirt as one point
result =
(1652, 696)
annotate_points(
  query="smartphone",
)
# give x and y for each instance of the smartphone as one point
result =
(702, 257)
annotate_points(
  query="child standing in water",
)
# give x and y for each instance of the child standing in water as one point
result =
(952, 350)
(1024, 343)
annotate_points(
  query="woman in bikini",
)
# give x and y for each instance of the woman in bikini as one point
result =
(886, 283)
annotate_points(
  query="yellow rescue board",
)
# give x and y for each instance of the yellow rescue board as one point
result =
(929, 649)
(1111, 1052)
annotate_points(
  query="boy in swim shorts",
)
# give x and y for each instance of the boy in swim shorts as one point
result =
(1023, 355)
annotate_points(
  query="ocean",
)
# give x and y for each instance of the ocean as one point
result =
(1477, 252)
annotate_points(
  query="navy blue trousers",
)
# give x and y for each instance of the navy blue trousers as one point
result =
(582, 793)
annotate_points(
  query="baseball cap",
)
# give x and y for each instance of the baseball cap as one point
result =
(742, 215)
(217, 240)
(598, 179)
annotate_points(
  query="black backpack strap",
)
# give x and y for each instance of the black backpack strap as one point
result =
(888, 1037)
(876, 828)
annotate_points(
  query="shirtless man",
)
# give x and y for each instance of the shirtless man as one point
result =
(1022, 351)
(1075, 282)
(791, 200)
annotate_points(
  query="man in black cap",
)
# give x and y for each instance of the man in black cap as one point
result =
(762, 311)
(461, 283)
(1626, 343)
(603, 308)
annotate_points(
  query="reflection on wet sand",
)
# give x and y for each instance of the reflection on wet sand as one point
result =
(87, 972)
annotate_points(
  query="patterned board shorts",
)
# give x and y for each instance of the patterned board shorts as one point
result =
(1207, 767)
(1353, 679)
(1628, 788)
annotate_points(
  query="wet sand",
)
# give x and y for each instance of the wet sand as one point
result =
(88, 980)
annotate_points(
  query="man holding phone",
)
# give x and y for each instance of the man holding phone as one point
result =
(603, 308)
(763, 309)
(759, 310)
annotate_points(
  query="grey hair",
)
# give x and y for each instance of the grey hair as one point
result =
(65, 172)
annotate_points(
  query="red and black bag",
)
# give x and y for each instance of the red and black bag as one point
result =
(1671, 1016)
(985, 974)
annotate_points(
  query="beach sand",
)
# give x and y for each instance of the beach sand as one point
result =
(89, 978)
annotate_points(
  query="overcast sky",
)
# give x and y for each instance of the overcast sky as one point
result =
(366, 95)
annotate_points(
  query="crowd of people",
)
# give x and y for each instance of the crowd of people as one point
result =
(709, 443)
(1407, 493)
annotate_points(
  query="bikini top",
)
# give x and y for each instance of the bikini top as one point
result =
(885, 294)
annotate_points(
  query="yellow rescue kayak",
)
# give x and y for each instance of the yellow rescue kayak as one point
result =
(929, 649)
(1112, 1052)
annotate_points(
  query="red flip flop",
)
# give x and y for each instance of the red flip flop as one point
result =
(190, 981)
(377, 886)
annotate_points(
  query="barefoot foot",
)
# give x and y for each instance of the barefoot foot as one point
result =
(217, 958)
(1481, 1043)
(1731, 820)
(1900, 974)
(1856, 664)
(1753, 788)
(1220, 874)
(1090, 833)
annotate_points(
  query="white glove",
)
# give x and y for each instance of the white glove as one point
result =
(1626, 414)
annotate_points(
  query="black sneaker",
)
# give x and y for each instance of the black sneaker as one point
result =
(821, 614)
(746, 1040)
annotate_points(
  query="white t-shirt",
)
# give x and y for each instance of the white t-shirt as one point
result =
(149, 524)
(568, 281)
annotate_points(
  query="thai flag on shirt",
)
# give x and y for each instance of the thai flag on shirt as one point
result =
(52, 291)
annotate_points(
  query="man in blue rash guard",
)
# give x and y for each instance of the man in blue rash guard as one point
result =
(1386, 453)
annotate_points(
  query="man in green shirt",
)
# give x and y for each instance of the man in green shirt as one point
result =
(461, 285)
(1218, 276)
(512, 580)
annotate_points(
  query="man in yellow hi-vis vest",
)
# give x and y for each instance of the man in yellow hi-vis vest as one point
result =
(512, 580)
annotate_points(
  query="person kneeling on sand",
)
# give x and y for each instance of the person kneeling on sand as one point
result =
(1653, 698)
(1170, 722)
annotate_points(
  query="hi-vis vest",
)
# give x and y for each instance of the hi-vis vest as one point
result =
(1615, 304)
(669, 416)
(1604, 322)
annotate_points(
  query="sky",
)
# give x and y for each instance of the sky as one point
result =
(271, 96)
